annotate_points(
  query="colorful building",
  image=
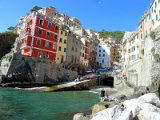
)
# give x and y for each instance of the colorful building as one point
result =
(62, 45)
(39, 36)
(86, 47)
(73, 49)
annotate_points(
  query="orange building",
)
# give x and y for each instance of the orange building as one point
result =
(115, 55)
(39, 36)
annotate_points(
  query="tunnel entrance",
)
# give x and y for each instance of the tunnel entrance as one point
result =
(105, 81)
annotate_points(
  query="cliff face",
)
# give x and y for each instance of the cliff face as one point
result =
(155, 71)
(146, 71)
(7, 39)
(29, 69)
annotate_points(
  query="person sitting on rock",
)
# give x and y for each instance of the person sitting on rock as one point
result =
(102, 95)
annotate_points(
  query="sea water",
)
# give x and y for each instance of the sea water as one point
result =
(28, 105)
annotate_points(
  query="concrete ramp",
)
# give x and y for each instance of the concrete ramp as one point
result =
(74, 85)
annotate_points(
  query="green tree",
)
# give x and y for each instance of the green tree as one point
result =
(117, 35)
(11, 28)
(35, 8)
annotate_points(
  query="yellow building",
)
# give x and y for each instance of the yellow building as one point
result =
(62, 45)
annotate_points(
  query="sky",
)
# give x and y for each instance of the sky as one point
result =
(109, 15)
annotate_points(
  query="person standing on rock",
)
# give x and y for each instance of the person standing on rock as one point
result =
(102, 95)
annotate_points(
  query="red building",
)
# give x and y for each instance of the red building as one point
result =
(39, 36)
(87, 50)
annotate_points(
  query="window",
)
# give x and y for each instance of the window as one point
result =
(23, 40)
(104, 51)
(152, 22)
(40, 54)
(39, 31)
(155, 4)
(48, 34)
(141, 36)
(103, 55)
(41, 22)
(99, 55)
(156, 17)
(54, 46)
(134, 48)
(61, 32)
(149, 16)
(49, 24)
(102, 61)
(47, 44)
(55, 36)
(60, 40)
(129, 50)
(83, 55)
(56, 27)
(99, 50)
(47, 55)
(146, 33)
(73, 48)
(65, 49)
(65, 41)
(59, 48)
(65, 34)
(38, 42)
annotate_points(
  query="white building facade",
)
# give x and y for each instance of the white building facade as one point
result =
(103, 55)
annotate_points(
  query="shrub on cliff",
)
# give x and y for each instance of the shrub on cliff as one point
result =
(7, 40)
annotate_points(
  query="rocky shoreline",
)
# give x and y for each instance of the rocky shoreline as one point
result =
(129, 104)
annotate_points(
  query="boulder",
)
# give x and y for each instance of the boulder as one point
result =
(97, 108)
(81, 116)
(149, 98)
(126, 115)
(143, 115)
(109, 114)
(132, 105)
(148, 107)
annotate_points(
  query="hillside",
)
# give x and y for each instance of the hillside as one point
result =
(118, 35)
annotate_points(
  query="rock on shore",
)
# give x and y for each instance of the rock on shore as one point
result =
(146, 107)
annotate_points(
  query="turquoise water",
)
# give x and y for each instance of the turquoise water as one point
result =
(28, 105)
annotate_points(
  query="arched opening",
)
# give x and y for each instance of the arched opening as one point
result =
(105, 81)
